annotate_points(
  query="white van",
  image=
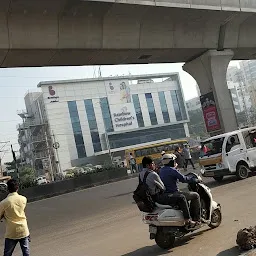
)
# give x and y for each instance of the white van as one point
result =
(232, 153)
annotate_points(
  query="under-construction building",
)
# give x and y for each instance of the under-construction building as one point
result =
(34, 136)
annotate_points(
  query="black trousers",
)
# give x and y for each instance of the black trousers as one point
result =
(175, 199)
(191, 162)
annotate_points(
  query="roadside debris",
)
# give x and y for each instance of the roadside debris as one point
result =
(246, 238)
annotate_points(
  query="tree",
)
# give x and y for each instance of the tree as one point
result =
(196, 125)
(27, 176)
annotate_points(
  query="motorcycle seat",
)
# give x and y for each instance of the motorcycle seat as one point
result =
(163, 206)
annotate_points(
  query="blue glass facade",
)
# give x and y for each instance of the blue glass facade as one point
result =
(178, 105)
(78, 135)
(151, 108)
(93, 125)
(164, 107)
(106, 114)
(136, 103)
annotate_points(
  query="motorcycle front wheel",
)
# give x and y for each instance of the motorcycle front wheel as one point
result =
(216, 218)
(164, 240)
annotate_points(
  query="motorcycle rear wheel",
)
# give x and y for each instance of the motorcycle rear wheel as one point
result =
(216, 218)
(164, 240)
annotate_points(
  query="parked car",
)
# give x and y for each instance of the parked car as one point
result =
(41, 180)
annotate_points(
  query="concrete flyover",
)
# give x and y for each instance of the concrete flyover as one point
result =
(206, 34)
(76, 32)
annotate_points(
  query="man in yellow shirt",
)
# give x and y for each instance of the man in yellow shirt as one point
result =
(12, 209)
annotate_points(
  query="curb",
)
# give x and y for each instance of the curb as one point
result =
(81, 188)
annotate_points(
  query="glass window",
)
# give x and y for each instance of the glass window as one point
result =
(92, 125)
(175, 131)
(74, 119)
(212, 147)
(106, 114)
(151, 108)
(176, 106)
(138, 153)
(79, 138)
(232, 142)
(164, 107)
(76, 127)
(137, 108)
(250, 138)
(179, 105)
(81, 151)
(77, 131)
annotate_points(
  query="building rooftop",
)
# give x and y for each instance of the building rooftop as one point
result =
(130, 77)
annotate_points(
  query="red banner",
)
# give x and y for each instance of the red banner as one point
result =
(211, 117)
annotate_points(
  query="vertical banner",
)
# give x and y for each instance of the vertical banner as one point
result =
(121, 106)
(211, 117)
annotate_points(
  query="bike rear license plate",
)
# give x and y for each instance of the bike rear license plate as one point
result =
(152, 230)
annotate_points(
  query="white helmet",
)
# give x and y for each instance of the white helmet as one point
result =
(167, 158)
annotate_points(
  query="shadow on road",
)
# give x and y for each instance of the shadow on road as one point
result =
(156, 251)
(153, 250)
(234, 251)
(226, 180)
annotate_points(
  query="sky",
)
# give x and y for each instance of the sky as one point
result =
(16, 82)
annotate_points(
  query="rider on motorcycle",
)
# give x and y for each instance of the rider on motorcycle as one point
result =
(171, 176)
(158, 191)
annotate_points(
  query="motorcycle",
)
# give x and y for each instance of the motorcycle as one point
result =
(166, 223)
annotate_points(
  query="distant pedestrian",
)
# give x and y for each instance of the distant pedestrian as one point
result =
(188, 157)
(133, 164)
(180, 161)
(12, 209)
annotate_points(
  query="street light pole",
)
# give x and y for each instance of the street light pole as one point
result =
(57, 153)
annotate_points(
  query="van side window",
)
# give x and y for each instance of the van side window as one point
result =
(250, 138)
(231, 142)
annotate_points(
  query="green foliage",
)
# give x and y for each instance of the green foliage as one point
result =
(196, 125)
(27, 177)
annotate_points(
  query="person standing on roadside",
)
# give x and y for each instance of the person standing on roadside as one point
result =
(188, 157)
(12, 209)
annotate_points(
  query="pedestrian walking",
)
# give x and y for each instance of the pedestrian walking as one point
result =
(133, 164)
(180, 161)
(12, 209)
(188, 157)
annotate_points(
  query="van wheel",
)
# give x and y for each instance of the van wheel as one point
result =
(219, 178)
(164, 240)
(242, 172)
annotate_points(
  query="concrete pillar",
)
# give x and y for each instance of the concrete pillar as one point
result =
(209, 70)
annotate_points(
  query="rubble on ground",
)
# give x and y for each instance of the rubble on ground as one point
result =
(246, 238)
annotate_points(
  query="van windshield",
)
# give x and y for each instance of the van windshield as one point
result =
(211, 147)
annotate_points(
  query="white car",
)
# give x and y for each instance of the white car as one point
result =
(41, 180)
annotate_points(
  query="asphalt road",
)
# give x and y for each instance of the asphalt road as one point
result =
(104, 221)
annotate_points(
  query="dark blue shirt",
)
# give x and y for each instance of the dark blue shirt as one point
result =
(171, 177)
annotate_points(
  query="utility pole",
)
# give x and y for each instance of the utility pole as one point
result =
(56, 146)
(49, 156)
(2, 151)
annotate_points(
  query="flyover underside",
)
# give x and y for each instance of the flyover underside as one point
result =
(72, 32)
(78, 57)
